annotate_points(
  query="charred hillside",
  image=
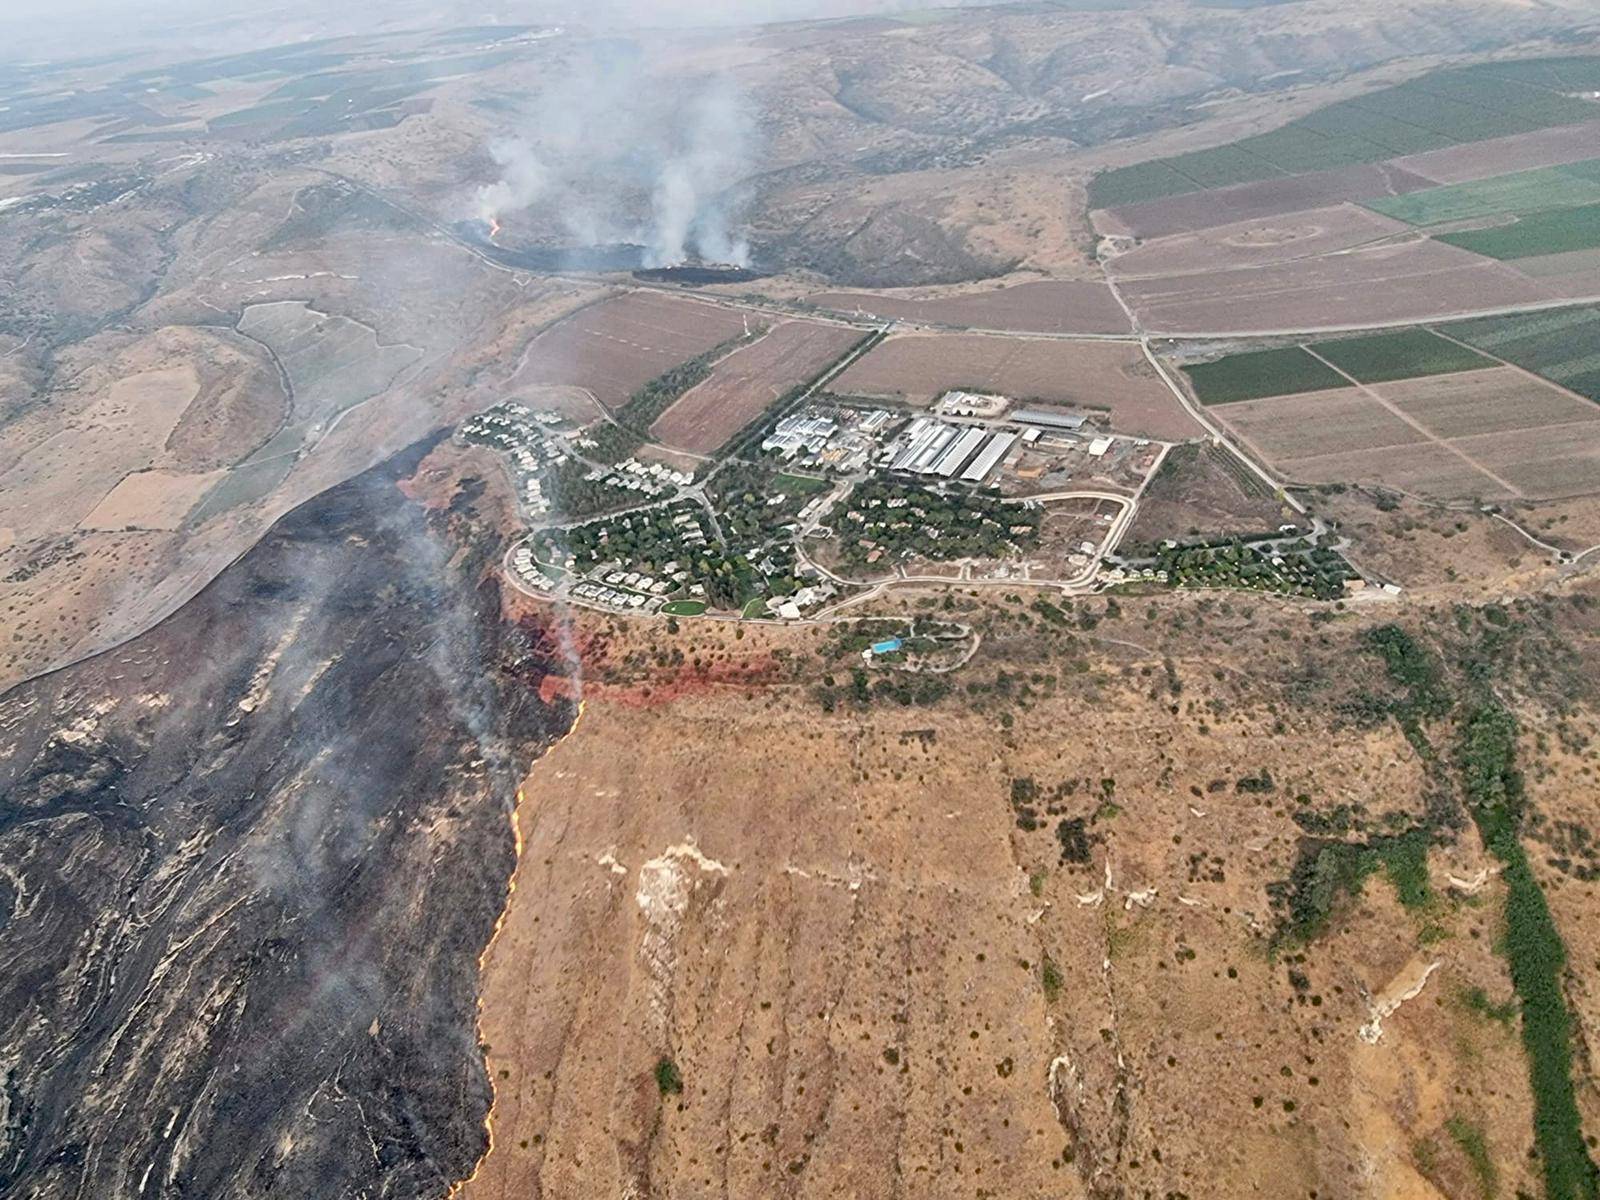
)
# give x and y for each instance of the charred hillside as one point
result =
(251, 860)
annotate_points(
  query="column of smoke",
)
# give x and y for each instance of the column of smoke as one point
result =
(603, 128)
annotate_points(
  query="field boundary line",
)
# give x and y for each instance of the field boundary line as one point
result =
(1280, 489)
(1373, 393)
(1554, 385)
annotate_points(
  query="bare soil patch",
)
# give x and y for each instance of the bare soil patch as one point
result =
(1425, 468)
(1484, 402)
(744, 384)
(150, 500)
(1052, 306)
(1311, 423)
(617, 346)
(1111, 377)
(1499, 156)
(1258, 242)
(1542, 463)
(1200, 491)
(1252, 201)
(1409, 281)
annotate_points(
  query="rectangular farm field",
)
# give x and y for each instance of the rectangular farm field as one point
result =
(612, 349)
(1562, 345)
(1259, 373)
(1407, 354)
(744, 384)
(1518, 193)
(1534, 234)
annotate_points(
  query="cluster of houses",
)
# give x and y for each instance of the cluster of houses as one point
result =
(522, 435)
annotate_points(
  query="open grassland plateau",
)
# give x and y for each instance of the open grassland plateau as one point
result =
(744, 384)
(1111, 377)
(617, 346)
(1562, 345)
(1405, 282)
(1464, 104)
(1051, 306)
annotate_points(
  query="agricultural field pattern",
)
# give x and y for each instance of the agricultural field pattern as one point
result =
(826, 599)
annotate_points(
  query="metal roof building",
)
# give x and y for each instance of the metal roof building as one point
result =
(1052, 420)
(950, 462)
(989, 456)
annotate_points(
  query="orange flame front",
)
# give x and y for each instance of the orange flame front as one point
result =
(494, 228)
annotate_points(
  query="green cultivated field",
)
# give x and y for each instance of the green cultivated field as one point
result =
(1259, 373)
(1562, 345)
(1535, 234)
(1406, 354)
(1515, 194)
(1463, 104)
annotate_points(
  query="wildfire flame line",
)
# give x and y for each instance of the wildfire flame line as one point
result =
(494, 228)
(483, 958)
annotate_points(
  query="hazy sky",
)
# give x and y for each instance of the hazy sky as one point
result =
(53, 29)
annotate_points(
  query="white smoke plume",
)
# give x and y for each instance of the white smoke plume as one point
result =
(688, 204)
(609, 152)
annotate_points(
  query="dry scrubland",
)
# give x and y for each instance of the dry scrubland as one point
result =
(1112, 377)
(782, 950)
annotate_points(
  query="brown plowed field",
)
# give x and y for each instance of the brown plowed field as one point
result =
(1426, 468)
(1411, 281)
(1483, 433)
(747, 381)
(1557, 266)
(1054, 306)
(1258, 242)
(1542, 463)
(1519, 152)
(1486, 402)
(1264, 198)
(1110, 376)
(1340, 421)
(617, 346)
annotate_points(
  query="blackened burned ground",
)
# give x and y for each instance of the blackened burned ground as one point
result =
(249, 862)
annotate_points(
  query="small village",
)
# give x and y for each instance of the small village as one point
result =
(839, 497)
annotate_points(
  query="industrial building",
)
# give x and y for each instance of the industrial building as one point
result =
(1048, 419)
(999, 445)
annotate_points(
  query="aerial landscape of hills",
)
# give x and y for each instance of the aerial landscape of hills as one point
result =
(832, 600)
